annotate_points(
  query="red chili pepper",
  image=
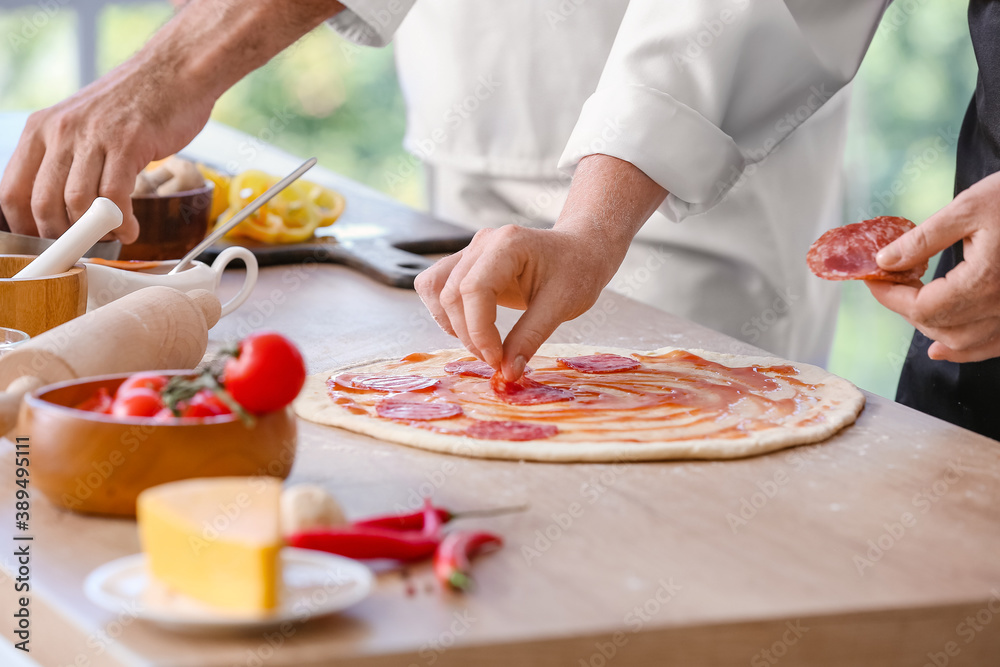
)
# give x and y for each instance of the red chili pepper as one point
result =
(452, 564)
(367, 542)
(355, 542)
(415, 520)
(411, 521)
(432, 521)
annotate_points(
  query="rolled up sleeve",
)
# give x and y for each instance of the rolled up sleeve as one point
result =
(694, 92)
(370, 22)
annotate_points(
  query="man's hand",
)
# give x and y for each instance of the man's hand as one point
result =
(93, 145)
(961, 310)
(96, 142)
(553, 275)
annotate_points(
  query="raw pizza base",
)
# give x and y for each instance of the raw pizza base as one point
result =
(840, 403)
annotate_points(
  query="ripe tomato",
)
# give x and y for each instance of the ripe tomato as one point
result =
(266, 374)
(153, 381)
(205, 404)
(138, 402)
(100, 402)
(164, 415)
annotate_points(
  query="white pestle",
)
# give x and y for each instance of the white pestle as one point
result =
(100, 218)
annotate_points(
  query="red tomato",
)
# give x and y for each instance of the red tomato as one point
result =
(153, 381)
(266, 374)
(164, 415)
(205, 404)
(138, 402)
(100, 402)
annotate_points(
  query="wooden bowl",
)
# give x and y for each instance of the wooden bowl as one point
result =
(169, 225)
(98, 464)
(39, 304)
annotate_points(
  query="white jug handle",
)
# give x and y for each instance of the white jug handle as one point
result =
(219, 265)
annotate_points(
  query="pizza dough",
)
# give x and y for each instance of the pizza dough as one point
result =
(704, 405)
(848, 252)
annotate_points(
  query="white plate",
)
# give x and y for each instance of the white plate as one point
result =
(315, 584)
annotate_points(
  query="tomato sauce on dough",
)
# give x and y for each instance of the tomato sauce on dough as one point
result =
(674, 396)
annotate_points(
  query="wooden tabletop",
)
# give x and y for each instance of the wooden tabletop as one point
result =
(880, 546)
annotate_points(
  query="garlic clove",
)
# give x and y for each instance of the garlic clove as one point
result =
(309, 507)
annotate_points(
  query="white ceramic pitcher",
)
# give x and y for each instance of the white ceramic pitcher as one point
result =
(107, 283)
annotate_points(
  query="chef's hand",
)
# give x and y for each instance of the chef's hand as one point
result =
(92, 145)
(553, 275)
(96, 142)
(961, 310)
(539, 271)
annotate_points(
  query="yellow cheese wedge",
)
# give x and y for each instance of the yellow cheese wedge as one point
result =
(215, 540)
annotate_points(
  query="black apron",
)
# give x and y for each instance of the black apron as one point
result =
(965, 394)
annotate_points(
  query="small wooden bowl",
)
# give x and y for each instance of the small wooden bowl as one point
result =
(169, 225)
(98, 464)
(39, 304)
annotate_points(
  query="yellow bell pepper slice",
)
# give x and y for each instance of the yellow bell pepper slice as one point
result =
(292, 216)
(220, 196)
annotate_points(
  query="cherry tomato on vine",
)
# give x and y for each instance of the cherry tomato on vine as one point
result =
(153, 381)
(138, 402)
(205, 404)
(100, 402)
(164, 415)
(266, 374)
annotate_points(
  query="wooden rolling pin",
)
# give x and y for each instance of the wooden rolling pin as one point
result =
(155, 328)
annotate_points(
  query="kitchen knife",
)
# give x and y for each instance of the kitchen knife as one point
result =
(22, 244)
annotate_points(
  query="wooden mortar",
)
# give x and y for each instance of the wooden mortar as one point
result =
(35, 305)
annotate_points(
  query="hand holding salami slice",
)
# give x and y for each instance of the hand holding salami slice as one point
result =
(960, 310)
(848, 252)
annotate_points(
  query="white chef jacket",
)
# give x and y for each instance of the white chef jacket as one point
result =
(699, 95)
(741, 75)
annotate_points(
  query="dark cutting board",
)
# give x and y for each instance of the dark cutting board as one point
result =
(375, 235)
(380, 238)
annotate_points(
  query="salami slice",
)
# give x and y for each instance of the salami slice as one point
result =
(390, 383)
(474, 367)
(395, 408)
(600, 363)
(527, 391)
(517, 431)
(848, 252)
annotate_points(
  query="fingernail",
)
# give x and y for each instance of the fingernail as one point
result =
(517, 368)
(888, 255)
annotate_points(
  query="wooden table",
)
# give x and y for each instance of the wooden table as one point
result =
(878, 547)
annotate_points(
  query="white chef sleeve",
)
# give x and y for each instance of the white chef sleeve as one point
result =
(695, 92)
(370, 22)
